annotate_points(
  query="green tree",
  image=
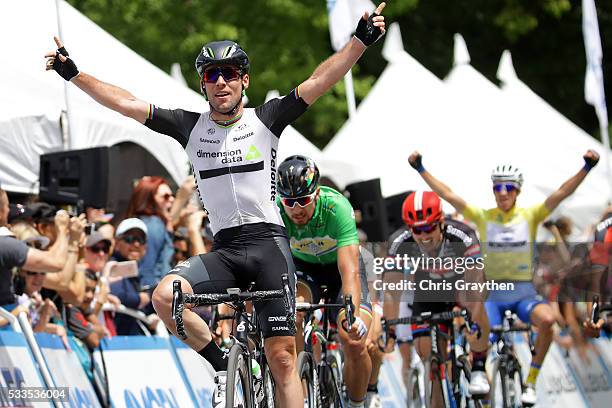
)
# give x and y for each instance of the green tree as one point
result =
(287, 39)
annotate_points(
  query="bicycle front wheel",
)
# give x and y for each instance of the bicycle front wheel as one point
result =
(413, 389)
(238, 392)
(506, 385)
(308, 374)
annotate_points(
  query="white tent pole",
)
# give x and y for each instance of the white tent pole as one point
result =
(605, 139)
(65, 120)
(350, 93)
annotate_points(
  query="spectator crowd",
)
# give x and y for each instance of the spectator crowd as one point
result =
(88, 276)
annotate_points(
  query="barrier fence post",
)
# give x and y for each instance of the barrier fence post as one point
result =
(38, 357)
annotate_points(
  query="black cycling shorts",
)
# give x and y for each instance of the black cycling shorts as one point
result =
(319, 276)
(240, 255)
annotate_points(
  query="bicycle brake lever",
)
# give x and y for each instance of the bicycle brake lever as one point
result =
(177, 308)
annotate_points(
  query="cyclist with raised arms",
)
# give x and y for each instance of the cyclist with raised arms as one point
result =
(441, 253)
(508, 234)
(232, 150)
(325, 247)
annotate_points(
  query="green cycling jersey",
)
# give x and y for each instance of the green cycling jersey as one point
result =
(332, 226)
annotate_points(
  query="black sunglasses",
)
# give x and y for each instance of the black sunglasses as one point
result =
(100, 247)
(130, 239)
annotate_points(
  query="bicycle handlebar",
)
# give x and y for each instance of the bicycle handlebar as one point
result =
(499, 329)
(179, 299)
(311, 307)
(427, 318)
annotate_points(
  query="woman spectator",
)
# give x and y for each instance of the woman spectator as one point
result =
(152, 201)
(27, 286)
(131, 245)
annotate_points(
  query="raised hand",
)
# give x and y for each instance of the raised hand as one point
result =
(371, 28)
(591, 158)
(60, 62)
(416, 161)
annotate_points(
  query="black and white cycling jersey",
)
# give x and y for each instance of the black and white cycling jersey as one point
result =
(234, 165)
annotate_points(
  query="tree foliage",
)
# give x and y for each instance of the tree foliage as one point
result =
(287, 39)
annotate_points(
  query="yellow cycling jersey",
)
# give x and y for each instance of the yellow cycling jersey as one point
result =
(507, 239)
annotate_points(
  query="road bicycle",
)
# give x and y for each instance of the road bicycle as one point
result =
(455, 394)
(322, 380)
(248, 342)
(507, 375)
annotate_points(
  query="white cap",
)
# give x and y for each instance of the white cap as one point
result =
(130, 223)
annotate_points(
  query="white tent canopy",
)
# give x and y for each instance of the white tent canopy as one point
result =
(463, 126)
(555, 145)
(32, 100)
(400, 114)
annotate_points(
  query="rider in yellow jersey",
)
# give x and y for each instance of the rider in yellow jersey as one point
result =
(507, 234)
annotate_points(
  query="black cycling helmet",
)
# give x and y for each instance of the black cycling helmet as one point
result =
(222, 53)
(298, 176)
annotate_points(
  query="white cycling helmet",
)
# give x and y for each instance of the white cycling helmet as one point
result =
(507, 172)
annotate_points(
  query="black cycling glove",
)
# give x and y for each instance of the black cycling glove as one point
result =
(367, 32)
(590, 162)
(418, 164)
(66, 70)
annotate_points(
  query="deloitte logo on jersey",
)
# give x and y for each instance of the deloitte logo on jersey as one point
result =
(272, 174)
(230, 156)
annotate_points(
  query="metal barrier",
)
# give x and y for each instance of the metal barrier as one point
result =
(142, 319)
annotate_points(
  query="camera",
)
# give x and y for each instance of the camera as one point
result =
(90, 229)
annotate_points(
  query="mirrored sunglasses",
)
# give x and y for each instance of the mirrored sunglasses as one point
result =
(301, 201)
(425, 228)
(211, 75)
(508, 187)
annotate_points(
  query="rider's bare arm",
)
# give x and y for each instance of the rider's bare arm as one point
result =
(436, 185)
(108, 95)
(348, 265)
(335, 67)
(591, 158)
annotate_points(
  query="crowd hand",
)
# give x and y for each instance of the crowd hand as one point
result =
(152, 321)
(186, 189)
(60, 62)
(48, 308)
(416, 160)
(61, 332)
(113, 300)
(371, 27)
(591, 158)
(62, 220)
(195, 219)
(185, 213)
(77, 228)
(144, 299)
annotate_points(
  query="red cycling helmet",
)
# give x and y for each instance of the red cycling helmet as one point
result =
(421, 208)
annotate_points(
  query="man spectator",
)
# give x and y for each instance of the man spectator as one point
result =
(131, 245)
(14, 253)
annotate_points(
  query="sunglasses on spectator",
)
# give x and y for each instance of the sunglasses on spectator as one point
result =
(301, 201)
(100, 247)
(131, 239)
(424, 228)
(508, 187)
(211, 75)
(34, 273)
